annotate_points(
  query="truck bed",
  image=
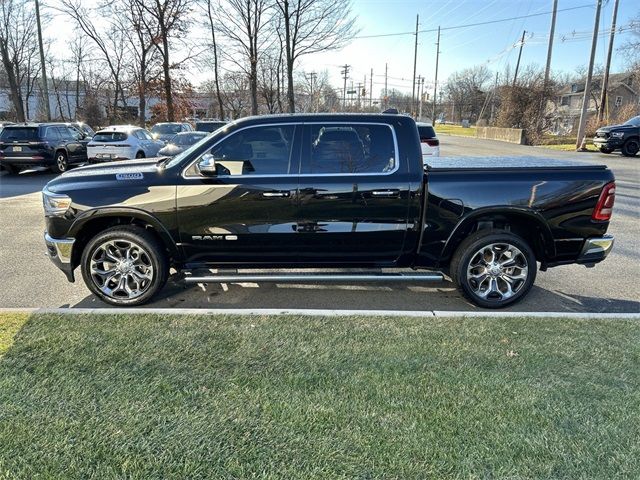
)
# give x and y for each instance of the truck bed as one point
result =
(483, 163)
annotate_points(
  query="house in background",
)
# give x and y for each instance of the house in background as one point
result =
(623, 90)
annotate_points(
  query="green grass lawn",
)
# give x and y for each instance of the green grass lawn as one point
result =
(455, 130)
(312, 397)
(568, 147)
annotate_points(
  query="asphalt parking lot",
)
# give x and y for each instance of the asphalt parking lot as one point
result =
(29, 279)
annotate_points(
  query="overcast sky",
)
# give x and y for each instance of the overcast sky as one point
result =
(493, 45)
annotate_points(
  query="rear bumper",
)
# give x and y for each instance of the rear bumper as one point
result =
(595, 250)
(59, 251)
(115, 158)
(27, 160)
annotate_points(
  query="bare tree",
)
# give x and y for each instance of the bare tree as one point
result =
(137, 26)
(208, 7)
(312, 26)
(17, 40)
(467, 90)
(165, 21)
(269, 80)
(110, 42)
(246, 24)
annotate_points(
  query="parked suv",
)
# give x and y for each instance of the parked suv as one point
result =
(625, 137)
(52, 145)
(167, 130)
(122, 142)
(429, 143)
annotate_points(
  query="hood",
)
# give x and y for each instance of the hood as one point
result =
(611, 128)
(103, 174)
(170, 150)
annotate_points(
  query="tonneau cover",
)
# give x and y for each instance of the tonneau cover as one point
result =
(475, 163)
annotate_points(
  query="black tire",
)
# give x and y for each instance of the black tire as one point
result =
(469, 254)
(631, 147)
(151, 255)
(61, 162)
(140, 154)
(605, 150)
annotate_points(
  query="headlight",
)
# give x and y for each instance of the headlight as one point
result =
(55, 204)
(617, 134)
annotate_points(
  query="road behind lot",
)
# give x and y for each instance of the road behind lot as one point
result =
(29, 279)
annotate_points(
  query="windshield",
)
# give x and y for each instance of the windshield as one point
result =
(19, 133)
(164, 128)
(634, 122)
(181, 156)
(186, 139)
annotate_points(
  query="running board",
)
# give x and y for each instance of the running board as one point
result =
(317, 277)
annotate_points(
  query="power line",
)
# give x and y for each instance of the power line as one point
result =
(488, 22)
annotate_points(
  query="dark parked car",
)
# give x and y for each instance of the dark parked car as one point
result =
(625, 137)
(180, 142)
(52, 145)
(166, 130)
(320, 192)
(86, 130)
(209, 125)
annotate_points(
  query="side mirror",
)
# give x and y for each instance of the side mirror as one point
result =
(207, 165)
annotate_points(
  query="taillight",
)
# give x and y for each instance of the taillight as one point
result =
(604, 207)
(432, 142)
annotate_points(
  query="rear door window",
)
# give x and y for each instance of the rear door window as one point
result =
(19, 134)
(52, 134)
(349, 149)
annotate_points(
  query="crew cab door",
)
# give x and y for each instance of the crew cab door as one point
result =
(353, 194)
(246, 212)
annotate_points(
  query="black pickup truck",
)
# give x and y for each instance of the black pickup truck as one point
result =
(625, 137)
(326, 193)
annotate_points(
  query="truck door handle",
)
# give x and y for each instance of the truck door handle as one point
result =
(275, 194)
(390, 193)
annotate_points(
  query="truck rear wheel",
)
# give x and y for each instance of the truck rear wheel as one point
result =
(493, 268)
(124, 266)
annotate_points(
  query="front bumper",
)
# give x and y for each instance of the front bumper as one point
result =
(611, 142)
(595, 250)
(59, 251)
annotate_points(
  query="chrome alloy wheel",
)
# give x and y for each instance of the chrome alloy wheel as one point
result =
(61, 162)
(497, 271)
(121, 269)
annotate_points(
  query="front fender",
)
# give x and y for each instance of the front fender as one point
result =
(84, 219)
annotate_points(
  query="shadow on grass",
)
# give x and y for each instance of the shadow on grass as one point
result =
(297, 397)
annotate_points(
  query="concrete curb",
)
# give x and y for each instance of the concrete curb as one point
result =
(321, 312)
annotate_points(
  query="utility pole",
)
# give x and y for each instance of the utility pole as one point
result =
(515, 76)
(415, 63)
(587, 86)
(371, 89)
(359, 92)
(345, 74)
(550, 48)
(605, 79)
(312, 77)
(45, 86)
(421, 94)
(386, 93)
(435, 83)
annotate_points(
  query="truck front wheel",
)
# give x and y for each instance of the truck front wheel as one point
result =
(631, 147)
(493, 268)
(124, 266)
